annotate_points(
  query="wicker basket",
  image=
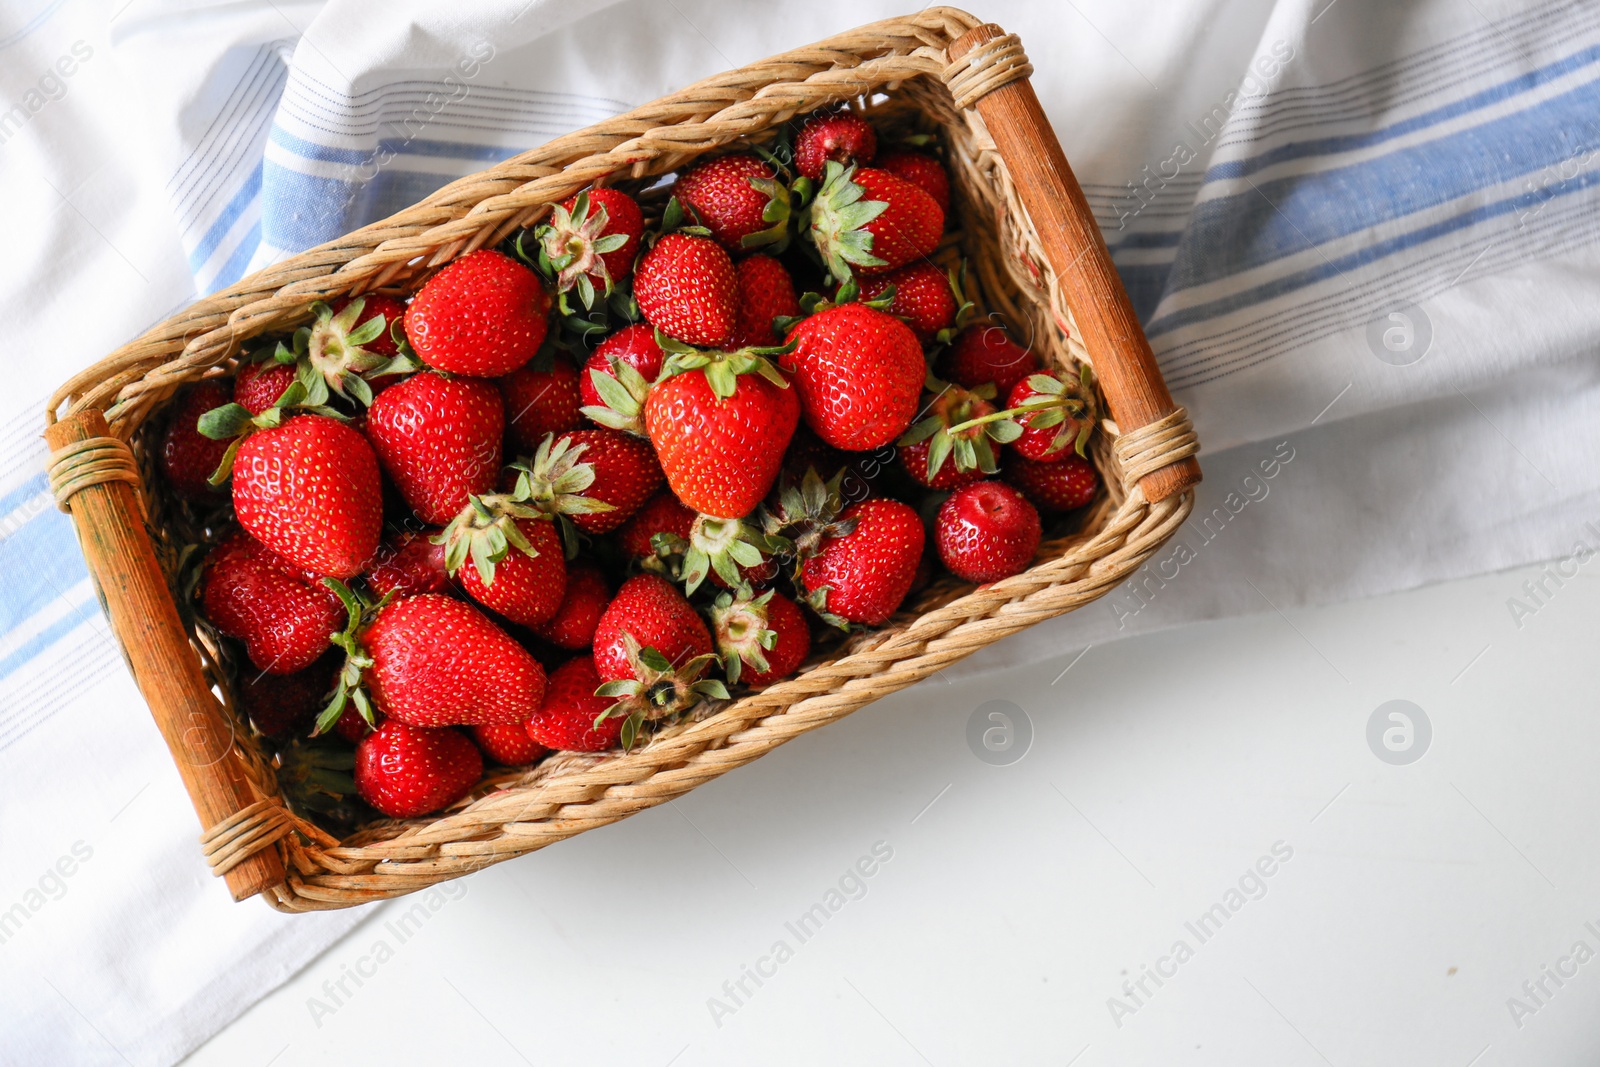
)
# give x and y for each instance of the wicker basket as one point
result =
(1038, 259)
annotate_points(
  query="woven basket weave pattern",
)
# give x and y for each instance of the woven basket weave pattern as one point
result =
(893, 70)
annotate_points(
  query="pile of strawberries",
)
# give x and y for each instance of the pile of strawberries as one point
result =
(579, 484)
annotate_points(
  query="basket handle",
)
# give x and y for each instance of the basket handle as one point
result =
(989, 71)
(98, 475)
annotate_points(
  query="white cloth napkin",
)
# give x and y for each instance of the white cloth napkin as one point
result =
(1276, 181)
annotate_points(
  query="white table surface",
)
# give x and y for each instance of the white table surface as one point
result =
(1417, 901)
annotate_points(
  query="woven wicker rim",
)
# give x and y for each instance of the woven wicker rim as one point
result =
(903, 59)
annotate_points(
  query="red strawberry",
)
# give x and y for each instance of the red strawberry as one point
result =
(867, 221)
(739, 199)
(279, 703)
(439, 662)
(374, 305)
(922, 296)
(285, 618)
(662, 513)
(632, 359)
(760, 639)
(650, 610)
(686, 285)
(309, 489)
(259, 385)
(719, 424)
(1061, 416)
(982, 353)
(525, 588)
(404, 771)
(567, 719)
(538, 402)
(766, 292)
(508, 743)
(591, 241)
(859, 373)
(484, 315)
(840, 136)
(188, 457)
(941, 459)
(987, 532)
(439, 439)
(626, 473)
(585, 600)
(409, 564)
(923, 171)
(1061, 485)
(352, 727)
(862, 576)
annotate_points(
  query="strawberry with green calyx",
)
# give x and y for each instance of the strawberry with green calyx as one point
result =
(765, 633)
(431, 661)
(582, 245)
(732, 550)
(1057, 413)
(846, 292)
(866, 221)
(657, 689)
(527, 586)
(940, 457)
(572, 718)
(344, 349)
(743, 199)
(626, 474)
(931, 301)
(620, 388)
(661, 514)
(804, 516)
(555, 481)
(686, 285)
(719, 422)
(864, 575)
(651, 610)
(235, 423)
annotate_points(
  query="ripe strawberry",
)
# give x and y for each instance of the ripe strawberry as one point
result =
(259, 385)
(1056, 413)
(1060, 485)
(923, 171)
(957, 443)
(626, 474)
(538, 402)
(433, 661)
(840, 136)
(866, 221)
(404, 771)
(632, 360)
(719, 423)
(686, 285)
(590, 242)
(862, 576)
(650, 610)
(585, 600)
(525, 586)
(309, 489)
(408, 564)
(484, 315)
(987, 532)
(567, 719)
(508, 743)
(345, 343)
(439, 439)
(760, 639)
(285, 618)
(740, 199)
(280, 703)
(859, 373)
(662, 513)
(982, 353)
(922, 297)
(766, 292)
(188, 457)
